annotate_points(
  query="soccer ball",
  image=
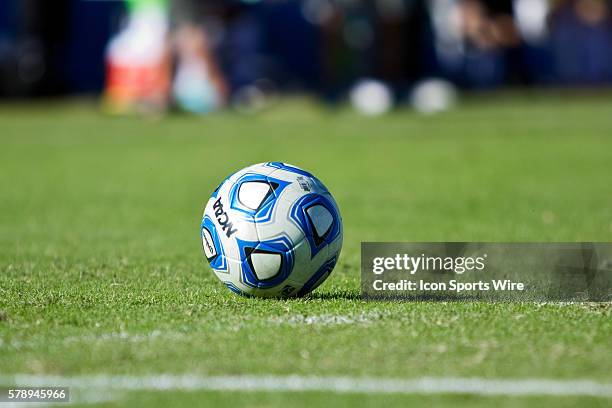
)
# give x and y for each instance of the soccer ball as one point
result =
(272, 230)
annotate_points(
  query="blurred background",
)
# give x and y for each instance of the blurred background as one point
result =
(201, 56)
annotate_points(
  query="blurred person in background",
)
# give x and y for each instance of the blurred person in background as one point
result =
(199, 55)
(153, 61)
(390, 40)
(138, 60)
(581, 41)
(474, 40)
(199, 85)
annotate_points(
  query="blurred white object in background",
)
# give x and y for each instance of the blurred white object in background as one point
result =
(371, 97)
(532, 19)
(433, 95)
(142, 41)
(255, 97)
(192, 89)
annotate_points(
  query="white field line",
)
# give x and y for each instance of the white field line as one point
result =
(366, 385)
(328, 319)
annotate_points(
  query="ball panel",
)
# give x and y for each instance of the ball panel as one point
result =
(318, 277)
(303, 180)
(210, 250)
(259, 168)
(280, 225)
(320, 219)
(305, 264)
(258, 274)
(213, 246)
(299, 215)
(256, 185)
(253, 194)
(288, 168)
(266, 265)
(234, 288)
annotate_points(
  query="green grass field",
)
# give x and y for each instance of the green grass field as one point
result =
(102, 272)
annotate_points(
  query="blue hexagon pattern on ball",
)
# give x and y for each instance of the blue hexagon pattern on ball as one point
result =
(271, 230)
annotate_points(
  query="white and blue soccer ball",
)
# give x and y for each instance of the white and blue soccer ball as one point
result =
(272, 230)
